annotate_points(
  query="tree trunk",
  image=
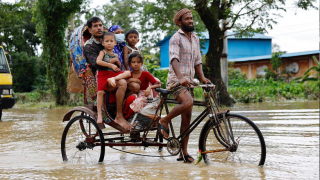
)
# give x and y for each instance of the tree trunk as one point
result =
(213, 56)
(213, 72)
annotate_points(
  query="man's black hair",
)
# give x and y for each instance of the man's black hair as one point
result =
(93, 19)
(108, 34)
(135, 55)
(131, 31)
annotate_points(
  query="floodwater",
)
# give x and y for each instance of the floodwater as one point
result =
(30, 148)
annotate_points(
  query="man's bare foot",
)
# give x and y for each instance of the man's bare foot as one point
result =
(112, 81)
(123, 123)
(164, 133)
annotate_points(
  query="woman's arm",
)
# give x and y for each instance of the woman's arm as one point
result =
(156, 85)
(125, 57)
(148, 90)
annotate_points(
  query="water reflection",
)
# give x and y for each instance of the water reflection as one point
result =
(30, 148)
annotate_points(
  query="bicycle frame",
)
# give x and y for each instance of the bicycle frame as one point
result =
(212, 109)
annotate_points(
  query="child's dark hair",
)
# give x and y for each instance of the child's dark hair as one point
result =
(92, 20)
(135, 55)
(108, 34)
(131, 31)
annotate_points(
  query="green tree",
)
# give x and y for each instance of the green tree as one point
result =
(25, 71)
(17, 32)
(275, 63)
(121, 12)
(51, 18)
(156, 19)
(18, 36)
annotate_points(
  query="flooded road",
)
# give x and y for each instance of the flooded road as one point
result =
(30, 148)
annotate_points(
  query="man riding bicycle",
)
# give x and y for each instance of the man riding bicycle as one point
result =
(185, 61)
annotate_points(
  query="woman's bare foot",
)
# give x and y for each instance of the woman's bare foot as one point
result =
(112, 81)
(123, 123)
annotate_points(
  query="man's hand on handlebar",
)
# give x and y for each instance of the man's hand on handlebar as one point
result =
(205, 81)
(184, 82)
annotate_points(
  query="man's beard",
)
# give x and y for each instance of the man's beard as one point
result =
(97, 36)
(187, 28)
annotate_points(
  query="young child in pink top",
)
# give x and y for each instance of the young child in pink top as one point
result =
(144, 78)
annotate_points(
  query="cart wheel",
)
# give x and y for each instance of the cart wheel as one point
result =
(82, 141)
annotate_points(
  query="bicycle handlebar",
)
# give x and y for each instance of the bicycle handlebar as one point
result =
(198, 85)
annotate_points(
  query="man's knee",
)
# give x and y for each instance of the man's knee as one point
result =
(187, 102)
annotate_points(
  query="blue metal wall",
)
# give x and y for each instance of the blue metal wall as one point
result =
(164, 54)
(237, 48)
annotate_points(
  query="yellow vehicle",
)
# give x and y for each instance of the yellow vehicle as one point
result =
(6, 99)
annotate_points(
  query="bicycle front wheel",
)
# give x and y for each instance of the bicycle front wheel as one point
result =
(234, 140)
(82, 141)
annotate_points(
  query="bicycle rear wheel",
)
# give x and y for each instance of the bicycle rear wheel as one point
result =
(82, 141)
(247, 147)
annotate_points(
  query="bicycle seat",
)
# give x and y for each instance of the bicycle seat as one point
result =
(163, 91)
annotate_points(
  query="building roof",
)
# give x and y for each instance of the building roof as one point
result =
(205, 35)
(254, 58)
(231, 36)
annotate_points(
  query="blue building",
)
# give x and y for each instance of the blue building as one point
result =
(257, 45)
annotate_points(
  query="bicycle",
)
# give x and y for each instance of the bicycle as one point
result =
(225, 137)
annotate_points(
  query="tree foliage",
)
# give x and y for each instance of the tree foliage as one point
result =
(157, 19)
(52, 18)
(121, 12)
(26, 72)
(17, 32)
(18, 36)
(312, 74)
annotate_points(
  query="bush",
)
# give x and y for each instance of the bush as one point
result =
(258, 90)
(34, 96)
(235, 74)
(155, 70)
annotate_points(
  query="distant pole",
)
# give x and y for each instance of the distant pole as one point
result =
(224, 59)
(72, 23)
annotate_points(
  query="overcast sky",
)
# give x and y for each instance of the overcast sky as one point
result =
(297, 31)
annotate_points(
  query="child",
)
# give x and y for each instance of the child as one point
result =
(108, 59)
(143, 78)
(132, 38)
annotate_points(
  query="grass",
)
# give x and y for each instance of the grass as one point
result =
(40, 99)
(259, 90)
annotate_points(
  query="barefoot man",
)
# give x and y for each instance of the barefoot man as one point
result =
(185, 61)
(92, 49)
